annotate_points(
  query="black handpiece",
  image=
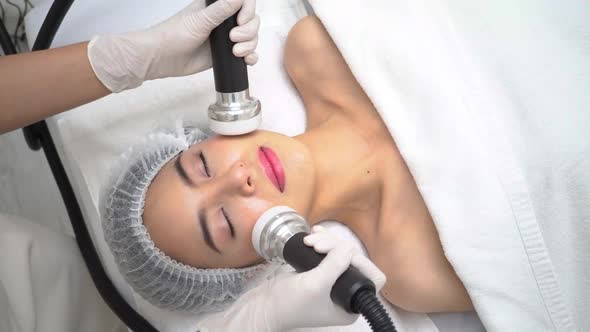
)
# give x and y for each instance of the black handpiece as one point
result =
(304, 258)
(230, 72)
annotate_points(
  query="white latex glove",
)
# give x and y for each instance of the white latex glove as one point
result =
(298, 300)
(176, 47)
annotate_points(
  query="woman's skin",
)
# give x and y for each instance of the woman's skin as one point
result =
(345, 167)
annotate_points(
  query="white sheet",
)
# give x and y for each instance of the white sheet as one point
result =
(27, 187)
(44, 285)
(488, 104)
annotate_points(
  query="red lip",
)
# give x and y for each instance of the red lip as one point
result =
(272, 167)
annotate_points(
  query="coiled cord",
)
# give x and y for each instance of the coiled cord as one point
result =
(367, 304)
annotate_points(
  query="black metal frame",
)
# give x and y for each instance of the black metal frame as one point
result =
(37, 137)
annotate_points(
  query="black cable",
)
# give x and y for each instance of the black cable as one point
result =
(6, 41)
(366, 302)
(37, 136)
(51, 24)
(49, 28)
(25, 11)
(2, 11)
(101, 280)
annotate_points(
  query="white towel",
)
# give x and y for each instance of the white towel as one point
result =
(488, 104)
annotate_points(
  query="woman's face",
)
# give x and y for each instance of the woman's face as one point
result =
(202, 206)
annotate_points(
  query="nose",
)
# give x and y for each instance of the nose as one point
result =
(240, 179)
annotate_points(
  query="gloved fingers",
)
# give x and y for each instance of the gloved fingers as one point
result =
(369, 269)
(322, 240)
(245, 48)
(214, 14)
(311, 240)
(251, 59)
(318, 229)
(324, 244)
(333, 265)
(245, 32)
(247, 12)
(316, 234)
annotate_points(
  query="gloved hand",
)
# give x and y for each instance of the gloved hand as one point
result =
(298, 300)
(176, 47)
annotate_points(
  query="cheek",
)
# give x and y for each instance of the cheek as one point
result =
(253, 208)
(248, 212)
(226, 148)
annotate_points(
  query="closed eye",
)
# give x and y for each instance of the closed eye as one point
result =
(231, 226)
(204, 161)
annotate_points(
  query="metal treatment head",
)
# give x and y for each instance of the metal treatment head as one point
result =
(274, 228)
(234, 113)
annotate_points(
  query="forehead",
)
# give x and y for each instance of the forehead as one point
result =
(166, 194)
(170, 216)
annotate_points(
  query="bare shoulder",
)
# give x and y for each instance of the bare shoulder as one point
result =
(322, 76)
(312, 60)
(307, 39)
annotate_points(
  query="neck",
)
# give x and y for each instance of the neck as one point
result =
(348, 179)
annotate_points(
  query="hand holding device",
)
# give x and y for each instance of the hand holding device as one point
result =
(175, 47)
(299, 300)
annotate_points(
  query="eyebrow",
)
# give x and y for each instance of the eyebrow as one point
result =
(182, 172)
(201, 214)
(206, 234)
